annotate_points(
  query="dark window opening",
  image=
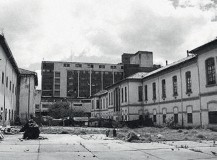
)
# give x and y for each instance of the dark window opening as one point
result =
(154, 90)
(213, 117)
(154, 118)
(175, 86)
(146, 93)
(164, 118)
(189, 118)
(163, 88)
(188, 82)
(210, 71)
(175, 118)
(140, 93)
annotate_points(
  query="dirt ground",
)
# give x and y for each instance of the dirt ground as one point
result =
(145, 134)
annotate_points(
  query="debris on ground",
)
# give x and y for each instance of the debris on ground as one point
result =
(160, 136)
(131, 136)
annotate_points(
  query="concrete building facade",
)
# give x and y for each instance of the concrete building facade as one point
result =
(27, 82)
(76, 82)
(8, 85)
(184, 91)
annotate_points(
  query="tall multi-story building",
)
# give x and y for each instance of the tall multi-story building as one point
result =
(184, 91)
(77, 81)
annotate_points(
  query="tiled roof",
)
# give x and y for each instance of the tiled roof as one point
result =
(138, 75)
(24, 71)
(100, 93)
(27, 72)
(170, 65)
(8, 53)
(210, 44)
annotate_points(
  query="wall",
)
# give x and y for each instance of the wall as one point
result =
(27, 97)
(7, 94)
(208, 92)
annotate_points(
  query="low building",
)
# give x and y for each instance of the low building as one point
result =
(8, 85)
(184, 92)
(26, 93)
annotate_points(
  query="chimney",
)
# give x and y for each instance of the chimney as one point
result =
(166, 62)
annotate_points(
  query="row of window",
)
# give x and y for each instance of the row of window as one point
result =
(9, 114)
(123, 96)
(8, 84)
(163, 89)
(57, 84)
(79, 65)
(175, 116)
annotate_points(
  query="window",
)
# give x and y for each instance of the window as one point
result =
(175, 87)
(9, 115)
(6, 81)
(164, 118)
(146, 93)
(210, 71)
(6, 113)
(122, 95)
(92, 104)
(57, 81)
(10, 86)
(140, 93)
(125, 94)
(175, 110)
(122, 67)
(213, 117)
(66, 65)
(163, 89)
(189, 115)
(154, 90)
(3, 75)
(97, 104)
(188, 82)
(101, 66)
(154, 116)
(13, 88)
(57, 74)
(56, 93)
(164, 115)
(37, 107)
(78, 65)
(90, 65)
(113, 67)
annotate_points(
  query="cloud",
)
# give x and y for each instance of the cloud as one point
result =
(100, 31)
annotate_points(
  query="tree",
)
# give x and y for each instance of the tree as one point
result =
(59, 110)
(64, 109)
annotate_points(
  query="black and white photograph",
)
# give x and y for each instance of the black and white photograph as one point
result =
(108, 79)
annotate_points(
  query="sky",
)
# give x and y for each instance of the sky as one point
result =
(102, 30)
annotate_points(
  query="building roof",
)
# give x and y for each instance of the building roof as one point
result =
(138, 75)
(102, 92)
(210, 45)
(8, 53)
(172, 65)
(27, 72)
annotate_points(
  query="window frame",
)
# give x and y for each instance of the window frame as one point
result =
(210, 71)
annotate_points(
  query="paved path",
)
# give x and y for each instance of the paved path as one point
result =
(94, 147)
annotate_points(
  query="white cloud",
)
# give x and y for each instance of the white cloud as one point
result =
(87, 30)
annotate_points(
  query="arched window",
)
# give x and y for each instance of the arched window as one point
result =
(189, 114)
(164, 115)
(176, 119)
(154, 115)
(210, 71)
